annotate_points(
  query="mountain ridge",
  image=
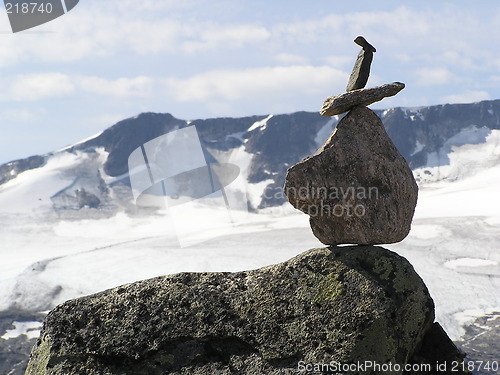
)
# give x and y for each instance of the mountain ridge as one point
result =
(423, 135)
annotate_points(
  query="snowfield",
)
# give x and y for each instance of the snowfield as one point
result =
(454, 242)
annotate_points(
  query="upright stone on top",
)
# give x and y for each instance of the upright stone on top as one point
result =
(361, 70)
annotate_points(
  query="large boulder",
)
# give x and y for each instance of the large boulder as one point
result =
(343, 304)
(357, 189)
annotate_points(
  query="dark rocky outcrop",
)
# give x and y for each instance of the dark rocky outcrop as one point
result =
(125, 136)
(332, 304)
(14, 351)
(335, 105)
(438, 354)
(14, 354)
(11, 170)
(481, 342)
(86, 199)
(357, 189)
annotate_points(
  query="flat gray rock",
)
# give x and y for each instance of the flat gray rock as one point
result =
(330, 304)
(335, 105)
(357, 189)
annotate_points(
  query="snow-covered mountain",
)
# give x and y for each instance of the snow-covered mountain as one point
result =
(69, 225)
(94, 172)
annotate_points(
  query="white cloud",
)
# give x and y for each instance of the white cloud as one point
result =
(40, 86)
(446, 34)
(335, 30)
(220, 57)
(103, 121)
(147, 5)
(122, 87)
(19, 115)
(277, 82)
(107, 28)
(467, 97)
(289, 58)
(340, 61)
(311, 30)
(457, 59)
(433, 76)
(211, 36)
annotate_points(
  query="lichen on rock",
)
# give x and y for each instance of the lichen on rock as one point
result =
(327, 304)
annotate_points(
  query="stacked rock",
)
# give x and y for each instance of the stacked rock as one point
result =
(357, 188)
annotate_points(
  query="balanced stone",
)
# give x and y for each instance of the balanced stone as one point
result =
(335, 105)
(357, 189)
(361, 70)
(325, 305)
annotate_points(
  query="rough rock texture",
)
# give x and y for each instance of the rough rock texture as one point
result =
(335, 105)
(339, 303)
(357, 189)
(361, 71)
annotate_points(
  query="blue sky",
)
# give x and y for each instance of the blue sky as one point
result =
(107, 60)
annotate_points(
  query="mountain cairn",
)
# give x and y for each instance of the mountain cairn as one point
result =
(352, 310)
(357, 188)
